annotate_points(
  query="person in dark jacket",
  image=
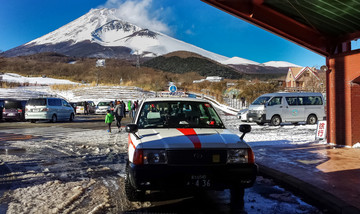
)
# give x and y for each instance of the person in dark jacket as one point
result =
(119, 114)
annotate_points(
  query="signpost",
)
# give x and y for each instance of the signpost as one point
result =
(321, 130)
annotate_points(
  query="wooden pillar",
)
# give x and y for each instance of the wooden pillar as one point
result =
(343, 98)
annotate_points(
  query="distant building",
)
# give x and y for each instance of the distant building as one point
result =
(299, 78)
(210, 79)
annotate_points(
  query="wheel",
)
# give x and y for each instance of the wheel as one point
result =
(131, 192)
(32, 121)
(275, 120)
(53, 118)
(71, 117)
(237, 193)
(312, 119)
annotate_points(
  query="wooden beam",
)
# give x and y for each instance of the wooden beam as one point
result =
(254, 12)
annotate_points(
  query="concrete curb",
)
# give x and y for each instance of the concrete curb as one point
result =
(323, 198)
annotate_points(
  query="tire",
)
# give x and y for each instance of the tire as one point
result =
(131, 192)
(275, 120)
(71, 117)
(53, 118)
(260, 123)
(312, 119)
(33, 121)
(237, 193)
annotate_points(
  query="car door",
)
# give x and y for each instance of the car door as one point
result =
(274, 107)
(294, 110)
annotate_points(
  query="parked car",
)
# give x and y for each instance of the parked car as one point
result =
(102, 107)
(14, 110)
(2, 102)
(181, 143)
(51, 108)
(275, 108)
(242, 115)
(80, 107)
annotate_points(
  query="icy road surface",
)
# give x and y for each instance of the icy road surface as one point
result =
(78, 168)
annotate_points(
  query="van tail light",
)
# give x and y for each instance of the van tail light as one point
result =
(138, 157)
(251, 156)
(19, 110)
(45, 109)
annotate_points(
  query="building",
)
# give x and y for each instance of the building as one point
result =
(301, 78)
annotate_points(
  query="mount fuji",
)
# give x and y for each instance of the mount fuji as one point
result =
(99, 33)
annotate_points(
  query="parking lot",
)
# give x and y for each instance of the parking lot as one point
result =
(78, 166)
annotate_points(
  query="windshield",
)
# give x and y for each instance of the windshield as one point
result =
(12, 104)
(260, 101)
(178, 114)
(103, 104)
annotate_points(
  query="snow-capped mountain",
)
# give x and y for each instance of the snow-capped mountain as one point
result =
(238, 61)
(101, 27)
(279, 64)
(99, 33)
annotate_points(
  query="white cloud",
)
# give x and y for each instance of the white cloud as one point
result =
(141, 13)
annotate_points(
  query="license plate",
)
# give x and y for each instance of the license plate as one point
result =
(35, 110)
(11, 114)
(199, 181)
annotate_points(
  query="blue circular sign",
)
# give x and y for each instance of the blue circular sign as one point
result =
(172, 88)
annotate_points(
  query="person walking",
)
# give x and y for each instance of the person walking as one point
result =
(109, 118)
(119, 114)
(129, 108)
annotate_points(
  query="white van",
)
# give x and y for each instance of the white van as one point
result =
(276, 108)
(52, 109)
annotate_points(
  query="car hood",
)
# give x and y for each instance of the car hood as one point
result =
(189, 138)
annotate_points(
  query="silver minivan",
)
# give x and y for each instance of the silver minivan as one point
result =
(51, 108)
(276, 108)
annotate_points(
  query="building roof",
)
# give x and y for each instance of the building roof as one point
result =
(319, 25)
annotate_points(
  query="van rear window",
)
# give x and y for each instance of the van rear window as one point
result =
(12, 104)
(37, 102)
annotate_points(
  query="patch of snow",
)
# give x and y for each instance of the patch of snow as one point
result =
(239, 61)
(280, 64)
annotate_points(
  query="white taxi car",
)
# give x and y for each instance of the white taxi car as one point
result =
(177, 143)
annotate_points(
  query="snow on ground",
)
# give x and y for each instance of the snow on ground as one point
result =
(11, 77)
(62, 167)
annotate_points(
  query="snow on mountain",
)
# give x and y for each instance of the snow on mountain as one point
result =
(238, 60)
(101, 26)
(279, 64)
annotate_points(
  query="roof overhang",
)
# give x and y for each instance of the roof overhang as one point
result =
(323, 26)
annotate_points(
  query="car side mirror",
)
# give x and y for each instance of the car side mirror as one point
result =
(131, 128)
(244, 128)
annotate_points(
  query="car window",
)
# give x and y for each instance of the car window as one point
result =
(292, 101)
(178, 114)
(260, 100)
(275, 101)
(103, 104)
(65, 103)
(12, 104)
(37, 102)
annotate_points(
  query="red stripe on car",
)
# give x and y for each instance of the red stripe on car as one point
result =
(191, 134)
(130, 141)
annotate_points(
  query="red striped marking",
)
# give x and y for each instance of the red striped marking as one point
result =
(130, 141)
(191, 134)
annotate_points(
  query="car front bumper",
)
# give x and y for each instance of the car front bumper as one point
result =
(161, 177)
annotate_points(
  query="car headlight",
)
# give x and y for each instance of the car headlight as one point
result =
(238, 156)
(261, 112)
(154, 157)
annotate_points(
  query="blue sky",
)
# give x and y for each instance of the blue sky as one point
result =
(191, 21)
